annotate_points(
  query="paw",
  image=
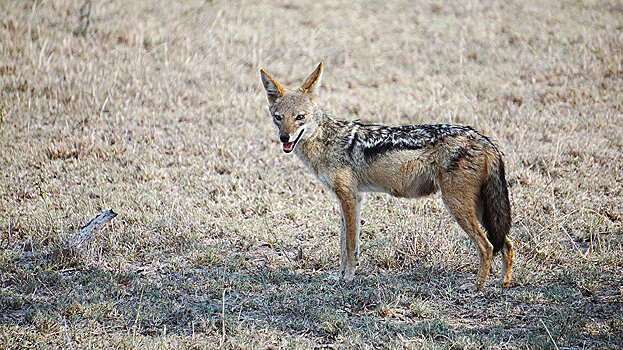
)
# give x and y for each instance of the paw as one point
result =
(347, 273)
(472, 287)
(502, 283)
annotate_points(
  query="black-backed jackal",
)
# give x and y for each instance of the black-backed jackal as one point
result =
(350, 157)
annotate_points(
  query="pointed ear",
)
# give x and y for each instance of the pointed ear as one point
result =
(274, 90)
(313, 80)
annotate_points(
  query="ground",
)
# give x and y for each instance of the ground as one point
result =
(155, 109)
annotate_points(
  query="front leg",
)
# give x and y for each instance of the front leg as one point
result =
(350, 204)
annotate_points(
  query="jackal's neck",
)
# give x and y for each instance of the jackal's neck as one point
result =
(319, 136)
(323, 129)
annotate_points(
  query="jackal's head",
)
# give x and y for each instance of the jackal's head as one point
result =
(293, 111)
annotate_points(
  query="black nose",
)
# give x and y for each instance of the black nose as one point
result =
(284, 138)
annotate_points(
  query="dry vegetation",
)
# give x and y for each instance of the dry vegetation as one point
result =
(155, 109)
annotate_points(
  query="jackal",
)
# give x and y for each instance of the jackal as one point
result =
(350, 157)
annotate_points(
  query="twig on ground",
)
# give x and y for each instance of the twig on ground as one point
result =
(138, 312)
(90, 229)
(223, 322)
(549, 334)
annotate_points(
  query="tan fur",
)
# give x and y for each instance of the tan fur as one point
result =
(402, 174)
(343, 187)
(459, 194)
(323, 143)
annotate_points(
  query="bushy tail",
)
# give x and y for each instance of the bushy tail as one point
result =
(496, 208)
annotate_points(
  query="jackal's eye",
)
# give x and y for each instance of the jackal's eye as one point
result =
(300, 117)
(277, 117)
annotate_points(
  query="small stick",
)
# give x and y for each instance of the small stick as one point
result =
(138, 311)
(549, 334)
(90, 229)
(223, 322)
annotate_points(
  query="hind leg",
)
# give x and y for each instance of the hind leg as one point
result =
(463, 208)
(507, 263)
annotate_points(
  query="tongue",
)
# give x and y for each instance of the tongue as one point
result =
(288, 146)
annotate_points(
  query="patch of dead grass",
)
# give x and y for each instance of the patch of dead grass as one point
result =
(157, 112)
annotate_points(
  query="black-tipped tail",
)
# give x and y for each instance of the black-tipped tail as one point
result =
(496, 208)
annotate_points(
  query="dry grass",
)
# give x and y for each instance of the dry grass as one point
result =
(156, 110)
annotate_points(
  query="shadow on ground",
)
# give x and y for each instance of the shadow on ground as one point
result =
(380, 307)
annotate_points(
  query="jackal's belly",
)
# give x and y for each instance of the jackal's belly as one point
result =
(402, 174)
(406, 188)
(399, 181)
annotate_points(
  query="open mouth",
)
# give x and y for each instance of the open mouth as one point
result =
(289, 146)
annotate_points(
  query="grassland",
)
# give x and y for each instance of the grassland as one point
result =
(155, 110)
